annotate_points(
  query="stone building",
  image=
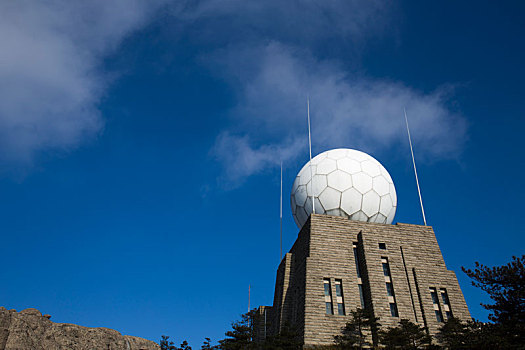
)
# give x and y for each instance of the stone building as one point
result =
(337, 265)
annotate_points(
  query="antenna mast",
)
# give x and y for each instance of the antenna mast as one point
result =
(281, 212)
(310, 147)
(415, 170)
(249, 292)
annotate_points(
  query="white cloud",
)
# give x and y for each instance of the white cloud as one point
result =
(269, 122)
(301, 22)
(275, 53)
(241, 159)
(50, 59)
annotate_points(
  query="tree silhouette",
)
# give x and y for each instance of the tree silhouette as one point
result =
(287, 339)
(355, 332)
(505, 285)
(184, 346)
(166, 344)
(207, 344)
(241, 335)
(455, 334)
(407, 335)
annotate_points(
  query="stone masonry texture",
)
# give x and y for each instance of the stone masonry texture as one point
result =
(29, 330)
(324, 250)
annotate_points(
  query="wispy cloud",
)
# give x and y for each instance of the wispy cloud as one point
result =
(52, 82)
(274, 54)
(272, 82)
(305, 22)
(242, 158)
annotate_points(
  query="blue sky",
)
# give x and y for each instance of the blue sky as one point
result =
(140, 143)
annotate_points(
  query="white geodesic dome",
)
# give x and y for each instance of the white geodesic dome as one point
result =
(346, 183)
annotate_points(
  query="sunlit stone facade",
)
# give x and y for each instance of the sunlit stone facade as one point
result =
(337, 265)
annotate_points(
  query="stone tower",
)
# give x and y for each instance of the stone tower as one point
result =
(337, 265)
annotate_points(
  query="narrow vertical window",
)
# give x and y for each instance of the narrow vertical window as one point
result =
(327, 291)
(446, 303)
(389, 287)
(435, 301)
(328, 297)
(328, 308)
(338, 288)
(439, 316)
(361, 296)
(359, 281)
(393, 310)
(386, 267)
(339, 296)
(434, 295)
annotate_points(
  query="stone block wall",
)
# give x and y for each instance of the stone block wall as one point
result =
(324, 250)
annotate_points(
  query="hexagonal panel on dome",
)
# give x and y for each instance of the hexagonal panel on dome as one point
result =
(337, 153)
(318, 207)
(348, 165)
(326, 166)
(301, 217)
(320, 183)
(391, 215)
(362, 182)
(357, 155)
(306, 176)
(380, 185)
(339, 180)
(300, 195)
(330, 198)
(370, 204)
(386, 205)
(378, 218)
(319, 158)
(371, 167)
(351, 201)
(359, 216)
(385, 173)
(393, 194)
(337, 212)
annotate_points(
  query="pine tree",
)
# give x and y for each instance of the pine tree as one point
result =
(407, 335)
(241, 335)
(506, 287)
(355, 332)
(184, 346)
(207, 344)
(455, 334)
(166, 344)
(287, 339)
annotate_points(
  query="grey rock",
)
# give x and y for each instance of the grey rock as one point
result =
(31, 311)
(30, 330)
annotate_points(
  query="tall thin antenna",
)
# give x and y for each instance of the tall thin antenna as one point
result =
(415, 170)
(249, 292)
(281, 212)
(310, 147)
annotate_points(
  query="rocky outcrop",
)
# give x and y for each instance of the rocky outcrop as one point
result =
(29, 330)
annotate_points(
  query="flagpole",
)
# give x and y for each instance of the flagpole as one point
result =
(281, 212)
(415, 170)
(310, 147)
